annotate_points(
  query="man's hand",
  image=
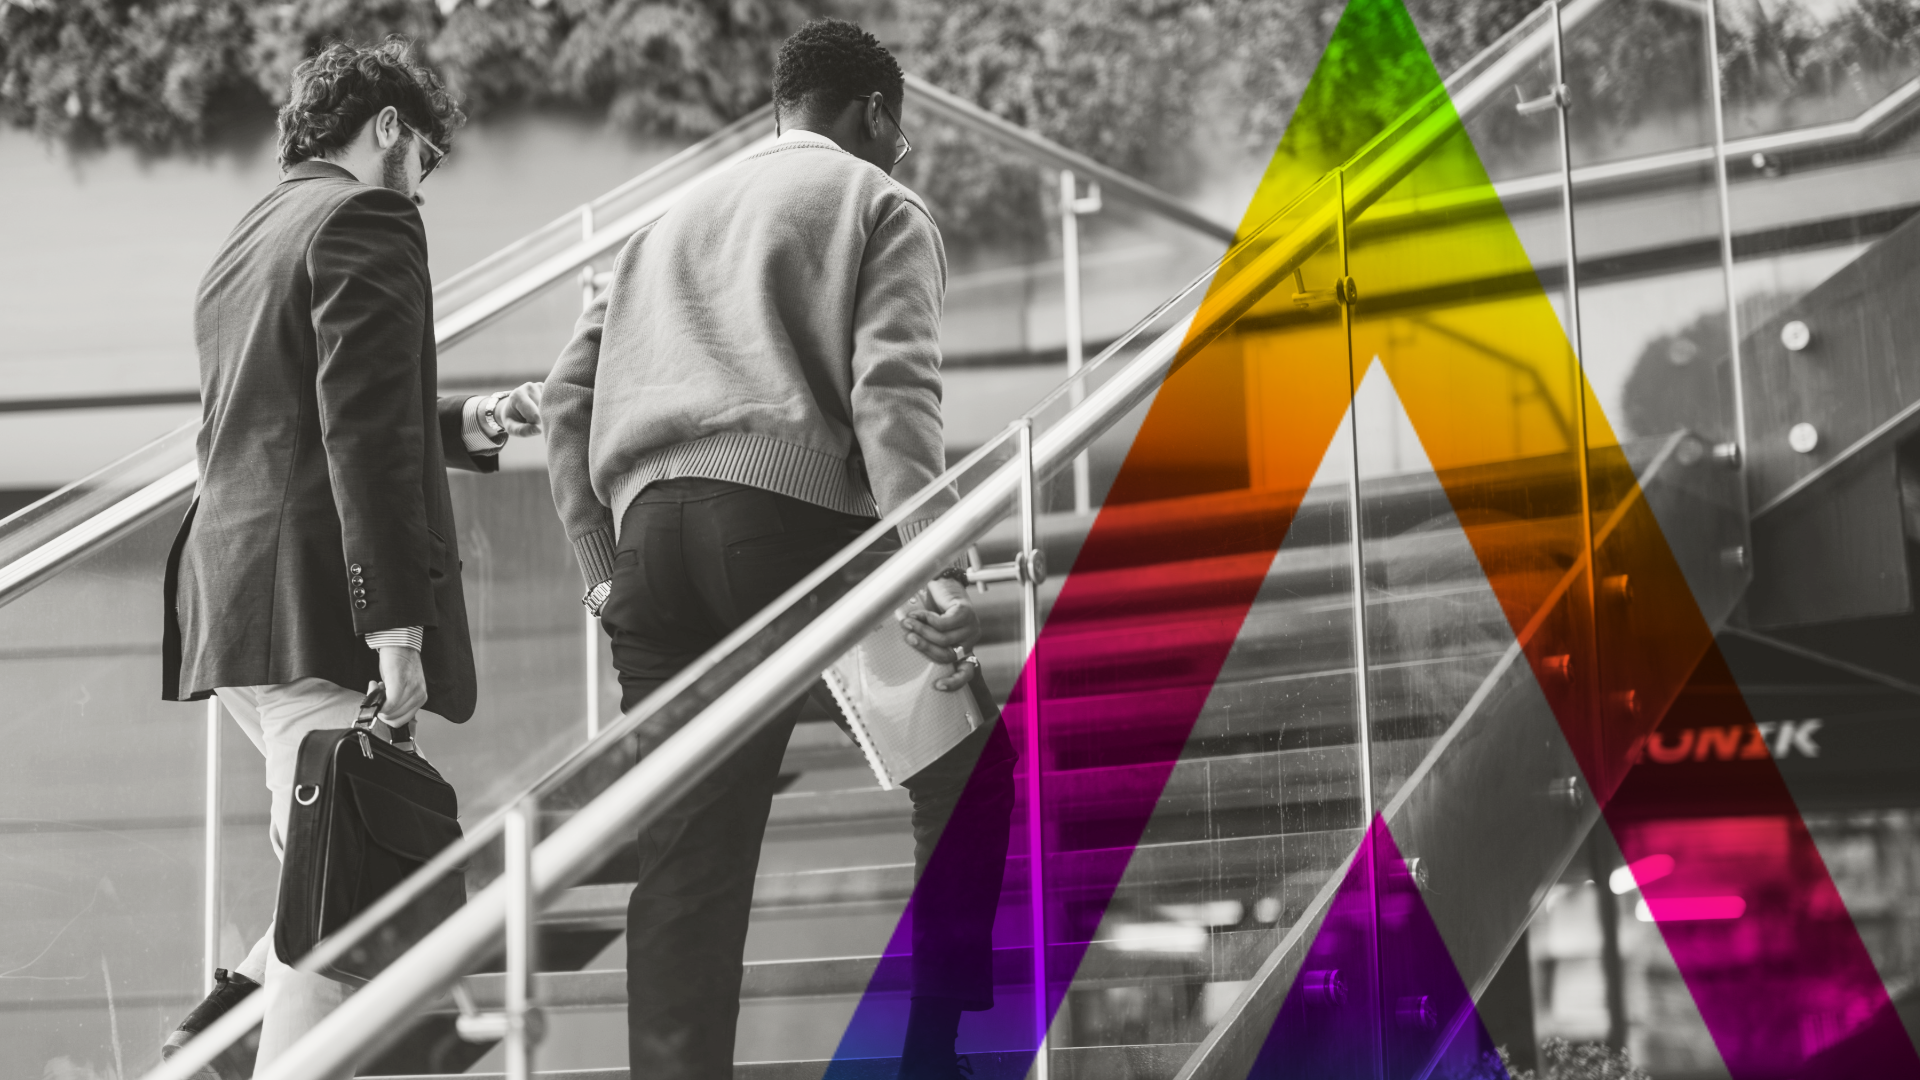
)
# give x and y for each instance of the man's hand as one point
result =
(945, 631)
(406, 684)
(520, 412)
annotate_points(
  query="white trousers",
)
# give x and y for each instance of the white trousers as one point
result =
(276, 718)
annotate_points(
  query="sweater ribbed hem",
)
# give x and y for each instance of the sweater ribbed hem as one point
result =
(595, 552)
(910, 529)
(753, 460)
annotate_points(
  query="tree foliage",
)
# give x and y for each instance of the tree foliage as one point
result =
(158, 75)
(1132, 83)
(1114, 79)
(167, 75)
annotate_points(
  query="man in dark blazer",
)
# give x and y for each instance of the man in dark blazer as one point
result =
(319, 553)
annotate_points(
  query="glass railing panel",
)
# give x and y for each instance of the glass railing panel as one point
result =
(1198, 695)
(107, 792)
(1467, 413)
(1790, 66)
(1653, 345)
(102, 827)
(1823, 244)
(1651, 287)
(42, 521)
(530, 641)
(865, 876)
(1467, 421)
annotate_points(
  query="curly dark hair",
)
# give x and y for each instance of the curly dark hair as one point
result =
(336, 91)
(829, 62)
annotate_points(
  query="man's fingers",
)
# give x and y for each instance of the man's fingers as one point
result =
(951, 619)
(945, 639)
(962, 675)
(930, 649)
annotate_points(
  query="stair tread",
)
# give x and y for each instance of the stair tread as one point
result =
(1226, 956)
(1209, 862)
(1146, 1061)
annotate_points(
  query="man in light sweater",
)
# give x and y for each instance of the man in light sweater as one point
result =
(761, 380)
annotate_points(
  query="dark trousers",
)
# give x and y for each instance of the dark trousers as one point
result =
(696, 559)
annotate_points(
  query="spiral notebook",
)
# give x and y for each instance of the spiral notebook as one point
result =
(902, 723)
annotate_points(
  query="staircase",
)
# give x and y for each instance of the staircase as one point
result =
(1259, 815)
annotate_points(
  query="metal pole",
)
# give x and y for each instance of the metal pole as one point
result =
(1583, 453)
(1344, 293)
(592, 624)
(1726, 243)
(210, 884)
(1035, 754)
(1071, 207)
(517, 837)
(593, 675)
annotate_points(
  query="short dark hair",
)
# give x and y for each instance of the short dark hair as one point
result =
(830, 62)
(338, 90)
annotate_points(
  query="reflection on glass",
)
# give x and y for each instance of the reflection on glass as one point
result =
(1197, 691)
(101, 824)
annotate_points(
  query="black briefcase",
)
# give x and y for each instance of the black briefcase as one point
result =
(365, 816)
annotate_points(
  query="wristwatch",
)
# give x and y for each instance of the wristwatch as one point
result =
(596, 597)
(490, 424)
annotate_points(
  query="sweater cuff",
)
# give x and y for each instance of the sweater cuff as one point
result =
(595, 552)
(907, 530)
(408, 636)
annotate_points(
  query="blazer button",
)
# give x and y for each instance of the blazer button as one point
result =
(361, 604)
(359, 594)
(353, 569)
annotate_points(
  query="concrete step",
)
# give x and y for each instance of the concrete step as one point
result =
(1158, 1061)
(1220, 957)
(1176, 873)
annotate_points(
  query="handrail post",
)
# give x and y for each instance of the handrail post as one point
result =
(522, 1025)
(210, 883)
(519, 1024)
(592, 623)
(1583, 452)
(1345, 295)
(1072, 205)
(1035, 751)
(1721, 189)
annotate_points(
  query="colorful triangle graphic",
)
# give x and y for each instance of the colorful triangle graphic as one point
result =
(1377, 943)
(1611, 638)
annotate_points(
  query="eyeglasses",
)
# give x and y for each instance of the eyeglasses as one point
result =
(906, 144)
(437, 155)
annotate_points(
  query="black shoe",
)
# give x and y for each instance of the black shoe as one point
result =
(229, 990)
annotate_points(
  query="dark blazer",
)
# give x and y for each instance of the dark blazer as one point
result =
(322, 511)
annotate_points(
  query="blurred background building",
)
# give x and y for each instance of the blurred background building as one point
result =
(137, 131)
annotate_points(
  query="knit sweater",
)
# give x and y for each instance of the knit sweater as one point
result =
(778, 327)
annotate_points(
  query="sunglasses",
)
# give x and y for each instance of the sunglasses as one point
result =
(906, 144)
(435, 154)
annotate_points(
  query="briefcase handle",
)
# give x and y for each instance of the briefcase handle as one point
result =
(370, 707)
